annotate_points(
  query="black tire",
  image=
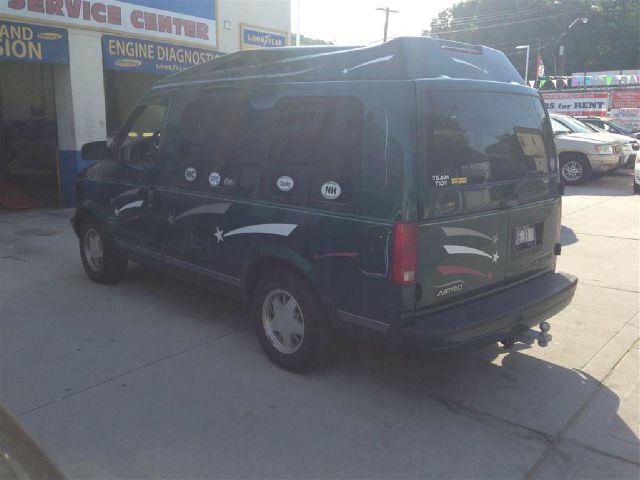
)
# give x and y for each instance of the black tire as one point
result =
(575, 169)
(317, 339)
(112, 266)
(636, 187)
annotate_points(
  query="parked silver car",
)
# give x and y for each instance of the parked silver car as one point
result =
(584, 154)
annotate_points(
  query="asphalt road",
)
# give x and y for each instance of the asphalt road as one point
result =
(154, 378)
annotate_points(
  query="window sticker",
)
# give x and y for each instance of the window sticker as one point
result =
(229, 182)
(285, 183)
(441, 180)
(214, 179)
(459, 180)
(331, 190)
(190, 174)
(532, 144)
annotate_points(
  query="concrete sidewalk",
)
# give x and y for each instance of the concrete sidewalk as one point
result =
(153, 378)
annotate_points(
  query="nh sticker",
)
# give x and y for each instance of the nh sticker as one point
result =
(190, 174)
(285, 183)
(214, 179)
(330, 190)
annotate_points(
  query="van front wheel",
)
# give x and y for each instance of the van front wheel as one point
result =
(100, 259)
(289, 321)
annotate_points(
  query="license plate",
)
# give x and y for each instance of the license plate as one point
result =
(525, 235)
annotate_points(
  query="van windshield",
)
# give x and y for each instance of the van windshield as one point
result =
(484, 137)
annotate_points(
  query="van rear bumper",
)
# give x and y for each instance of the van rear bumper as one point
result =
(493, 318)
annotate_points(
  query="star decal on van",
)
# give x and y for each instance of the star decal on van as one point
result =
(495, 257)
(219, 235)
(494, 239)
(282, 229)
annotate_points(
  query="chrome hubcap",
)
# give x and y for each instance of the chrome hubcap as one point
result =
(572, 170)
(93, 250)
(283, 321)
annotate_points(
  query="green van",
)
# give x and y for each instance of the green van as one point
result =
(406, 193)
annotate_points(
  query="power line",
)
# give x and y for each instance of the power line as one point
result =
(484, 27)
(525, 11)
(500, 16)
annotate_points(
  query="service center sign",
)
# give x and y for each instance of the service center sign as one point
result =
(175, 21)
(578, 103)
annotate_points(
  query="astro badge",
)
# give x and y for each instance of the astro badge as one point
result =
(449, 289)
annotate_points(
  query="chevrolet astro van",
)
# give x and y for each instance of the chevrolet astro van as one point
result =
(406, 193)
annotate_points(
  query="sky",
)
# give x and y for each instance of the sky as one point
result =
(357, 22)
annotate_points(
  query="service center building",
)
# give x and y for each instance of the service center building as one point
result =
(71, 71)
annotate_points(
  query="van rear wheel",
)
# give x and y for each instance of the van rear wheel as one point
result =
(289, 321)
(575, 169)
(100, 258)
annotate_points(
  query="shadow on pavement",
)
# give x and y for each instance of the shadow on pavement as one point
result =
(567, 236)
(616, 184)
(488, 385)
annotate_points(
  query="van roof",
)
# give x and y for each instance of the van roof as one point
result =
(404, 58)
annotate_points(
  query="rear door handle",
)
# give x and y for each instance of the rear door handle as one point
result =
(150, 197)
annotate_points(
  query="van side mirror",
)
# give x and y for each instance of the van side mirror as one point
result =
(638, 136)
(95, 150)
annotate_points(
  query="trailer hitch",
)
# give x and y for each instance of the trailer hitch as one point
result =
(530, 336)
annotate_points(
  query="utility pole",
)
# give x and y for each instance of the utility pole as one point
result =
(386, 11)
(563, 44)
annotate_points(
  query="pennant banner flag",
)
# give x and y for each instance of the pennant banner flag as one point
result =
(539, 67)
(565, 81)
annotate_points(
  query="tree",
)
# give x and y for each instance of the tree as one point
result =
(609, 41)
(311, 41)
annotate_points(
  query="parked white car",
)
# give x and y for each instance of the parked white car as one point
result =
(630, 148)
(584, 154)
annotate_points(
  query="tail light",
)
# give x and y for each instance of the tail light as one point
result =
(404, 254)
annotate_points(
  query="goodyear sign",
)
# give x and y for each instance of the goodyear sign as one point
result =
(258, 37)
(32, 43)
(135, 55)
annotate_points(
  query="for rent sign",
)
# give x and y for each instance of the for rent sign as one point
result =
(191, 21)
(578, 103)
(626, 98)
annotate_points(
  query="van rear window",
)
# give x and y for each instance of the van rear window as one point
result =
(484, 137)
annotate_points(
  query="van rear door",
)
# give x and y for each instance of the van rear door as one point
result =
(489, 196)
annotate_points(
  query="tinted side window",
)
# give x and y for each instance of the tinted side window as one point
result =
(140, 139)
(483, 137)
(209, 139)
(558, 127)
(314, 150)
